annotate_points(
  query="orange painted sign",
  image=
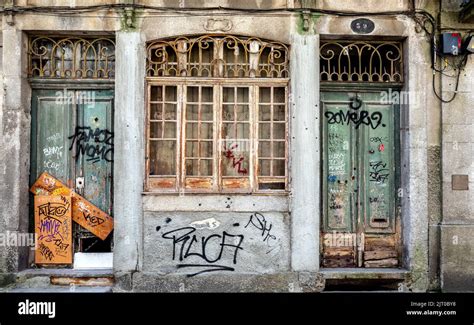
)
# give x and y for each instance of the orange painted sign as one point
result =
(84, 212)
(53, 228)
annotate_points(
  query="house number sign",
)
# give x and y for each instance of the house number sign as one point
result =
(362, 26)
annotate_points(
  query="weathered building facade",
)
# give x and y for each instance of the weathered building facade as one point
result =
(245, 145)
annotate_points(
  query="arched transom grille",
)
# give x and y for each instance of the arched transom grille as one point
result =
(360, 61)
(223, 56)
(71, 57)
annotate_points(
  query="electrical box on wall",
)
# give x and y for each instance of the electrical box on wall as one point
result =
(469, 45)
(451, 43)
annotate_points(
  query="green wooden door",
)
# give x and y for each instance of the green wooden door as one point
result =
(359, 154)
(72, 139)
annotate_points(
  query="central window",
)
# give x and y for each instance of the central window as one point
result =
(217, 115)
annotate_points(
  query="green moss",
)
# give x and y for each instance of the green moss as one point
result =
(312, 22)
(419, 275)
(129, 20)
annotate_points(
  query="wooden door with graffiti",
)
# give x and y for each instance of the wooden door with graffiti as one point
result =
(360, 201)
(72, 139)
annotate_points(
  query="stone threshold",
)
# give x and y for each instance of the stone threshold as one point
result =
(71, 273)
(364, 273)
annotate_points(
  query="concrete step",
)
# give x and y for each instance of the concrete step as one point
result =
(61, 289)
(62, 280)
(29, 273)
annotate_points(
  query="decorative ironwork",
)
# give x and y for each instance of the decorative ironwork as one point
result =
(217, 56)
(71, 57)
(360, 61)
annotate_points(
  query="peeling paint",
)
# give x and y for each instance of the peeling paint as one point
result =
(210, 223)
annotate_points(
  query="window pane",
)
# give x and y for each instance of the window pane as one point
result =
(207, 113)
(156, 112)
(228, 131)
(264, 149)
(228, 95)
(278, 168)
(228, 112)
(242, 112)
(192, 112)
(206, 95)
(264, 95)
(193, 94)
(279, 113)
(206, 130)
(264, 113)
(170, 93)
(192, 148)
(243, 95)
(170, 111)
(264, 167)
(156, 129)
(191, 130)
(156, 93)
(279, 149)
(271, 186)
(243, 130)
(170, 130)
(279, 95)
(205, 167)
(192, 167)
(162, 157)
(264, 130)
(278, 130)
(206, 149)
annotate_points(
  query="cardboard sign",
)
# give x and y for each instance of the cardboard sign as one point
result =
(83, 212)
(53, 228)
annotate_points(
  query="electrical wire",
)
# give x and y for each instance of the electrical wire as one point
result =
(439, 96)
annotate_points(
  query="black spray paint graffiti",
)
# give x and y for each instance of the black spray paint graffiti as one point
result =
(95, 144)
(378, 172)
(46, 252)
(379, 140)
(358, 118)
(186, 244)
(92, 220)
(213, 249)
(258, 221)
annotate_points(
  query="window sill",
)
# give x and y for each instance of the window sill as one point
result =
(160, 193)
(156, 202)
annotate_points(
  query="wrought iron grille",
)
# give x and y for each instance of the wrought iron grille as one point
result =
(71, 57)
(217, 56)
(360, 61)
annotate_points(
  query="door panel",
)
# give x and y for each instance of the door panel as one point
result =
(338, 169)
(379, 172)
(54, 116)
(359, 221)
(94, 150)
